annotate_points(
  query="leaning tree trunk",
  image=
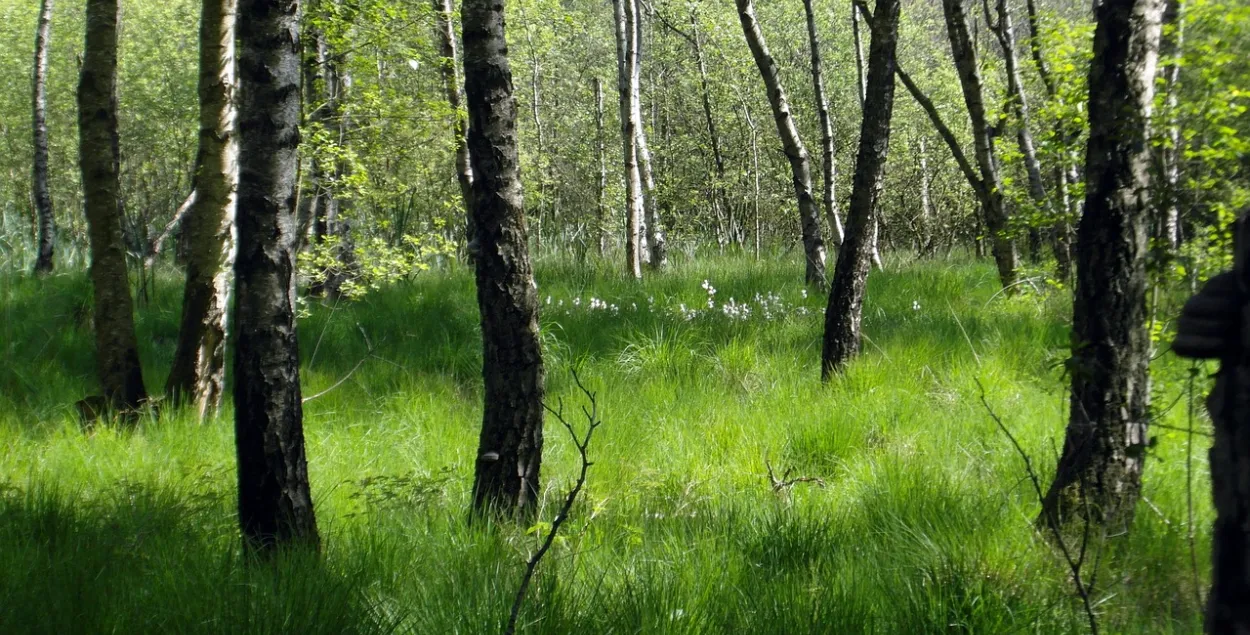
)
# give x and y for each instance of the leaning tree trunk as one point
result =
(451, 86)
(510, 448)
(657, 245)
(117, 351)
(199, 367)
(826, 126)
(39, 113)
(965, 53)
(850, 279)
(1229, 404)
(1099, 473)
(719, 196)
(800, 163)
(275, 500)
(626, 51)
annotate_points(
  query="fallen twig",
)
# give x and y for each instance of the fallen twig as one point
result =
(786, 482)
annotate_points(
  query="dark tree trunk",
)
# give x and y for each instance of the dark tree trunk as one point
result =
(1229, 404)
(792, 145)
(275, 501)
(39, 112)
(117, 354)
(850, 279)
(826, 126)
(965, 54)
(451, 86)
(510, 448)
(1099, 472)
(199, 366)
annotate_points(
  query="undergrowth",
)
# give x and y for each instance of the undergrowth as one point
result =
(923, 523)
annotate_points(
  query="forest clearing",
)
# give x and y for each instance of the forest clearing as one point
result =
(625, 316)
(922, 520)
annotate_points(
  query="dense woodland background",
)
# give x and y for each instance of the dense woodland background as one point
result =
(744, 480)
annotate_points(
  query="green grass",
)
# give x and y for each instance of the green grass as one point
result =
(923, 525)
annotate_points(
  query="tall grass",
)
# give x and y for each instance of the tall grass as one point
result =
(924, 522)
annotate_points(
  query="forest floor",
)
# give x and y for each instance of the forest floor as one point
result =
(922, 521)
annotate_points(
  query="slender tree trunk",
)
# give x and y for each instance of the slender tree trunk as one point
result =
(199, 367)
(601, 205)
(1099, 472)
(719, 195)
(850, 279)
(657, 246)
(321, 106)
(451, 86)
(926, 201)
(117, 353)
(540, 137)
(341, 201)
(965, 53)
(626, 47)
(43, 195)
(1004, 31)
(1229, 405)
(755, 178)
(275, 501)
(1171, 48)
(856, 7)
(826, 126)
(1066, 175)
(796, 154)
(861, 84)
(510, 449)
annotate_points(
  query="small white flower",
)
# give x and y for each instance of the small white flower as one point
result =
(915, 305)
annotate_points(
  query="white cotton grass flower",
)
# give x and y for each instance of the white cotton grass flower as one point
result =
(915, 305)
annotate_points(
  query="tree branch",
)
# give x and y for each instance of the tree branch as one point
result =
(582, 444)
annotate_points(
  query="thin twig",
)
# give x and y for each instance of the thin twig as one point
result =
(1074, 564)
(582, 444)
(784, 483)
(367, 356)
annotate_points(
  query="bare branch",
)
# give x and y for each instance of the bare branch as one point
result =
(368, 354)
(582, 444)
(1074, 562)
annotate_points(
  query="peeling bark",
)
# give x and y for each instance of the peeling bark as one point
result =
(850, 280)
(199, 366)
(1099, 473)
(275, 501)
(506, 473)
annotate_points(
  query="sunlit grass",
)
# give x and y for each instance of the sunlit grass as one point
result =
(924, 522)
